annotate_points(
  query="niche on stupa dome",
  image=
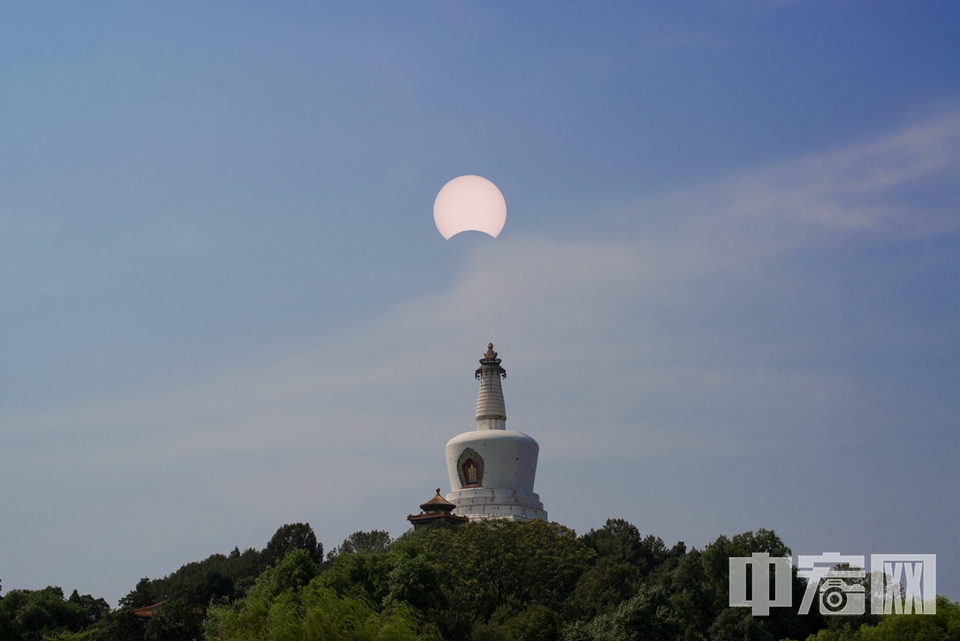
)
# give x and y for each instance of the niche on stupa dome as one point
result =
(470, 468)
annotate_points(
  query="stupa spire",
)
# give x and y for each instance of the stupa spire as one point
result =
(491, 411)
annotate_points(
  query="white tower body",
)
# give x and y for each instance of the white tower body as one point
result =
(492, 469)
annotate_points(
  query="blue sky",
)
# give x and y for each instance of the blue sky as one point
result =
(725, 295)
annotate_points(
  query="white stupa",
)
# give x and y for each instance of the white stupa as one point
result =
(492, 469)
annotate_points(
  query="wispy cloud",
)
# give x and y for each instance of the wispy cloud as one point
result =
(581, 324)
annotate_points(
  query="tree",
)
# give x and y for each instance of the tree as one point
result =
(7, 630)
(489, 563)
(716, 555)
(617, 540)
(414, 580)
(313, 612)
(372, 541)
(29, 615)
(690, 593)
(536, 623)
(213, 586)
(120, 625)
(294, 536)
(942, 626)
(701, 594)
(294, 571)
(94, 609)
(140, 596)
(647, 616)
(363, 574)
(175, 620)
(738, 624)
(197, 582)
(602, 588)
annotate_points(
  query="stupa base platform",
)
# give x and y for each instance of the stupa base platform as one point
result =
(504, 503)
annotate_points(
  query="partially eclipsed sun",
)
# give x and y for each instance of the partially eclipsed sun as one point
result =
(469, 203)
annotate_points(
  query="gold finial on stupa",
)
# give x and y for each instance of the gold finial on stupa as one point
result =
(490, 353)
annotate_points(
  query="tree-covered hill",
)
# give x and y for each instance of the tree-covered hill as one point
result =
(487, 581)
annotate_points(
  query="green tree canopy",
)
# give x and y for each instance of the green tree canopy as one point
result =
(485, 581)
(29, 615)
(365, 575)
(294, 571)
(290, 537)
(313, 611)
(488, 563)
(942, 626)
(372, 541)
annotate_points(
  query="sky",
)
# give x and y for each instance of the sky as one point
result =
(726, 293)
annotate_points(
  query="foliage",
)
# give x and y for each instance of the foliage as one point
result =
(197, 582)
(621, 542)
(646, 616)
(716, 565)
(364, 575)
(294, 536)
(311, 612)
(29, 615)
(93, 609)
(415, 580)
(714, 590)
(942, 626)
(177, 620)
(139, 596)
(625, 559)
(536, 623)
(489, 563)
(119, 625)
(372, 541)
(294, 571)
(737, 624)
(603, 587)
(219, 576)
(674, 592)
(485, 581)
